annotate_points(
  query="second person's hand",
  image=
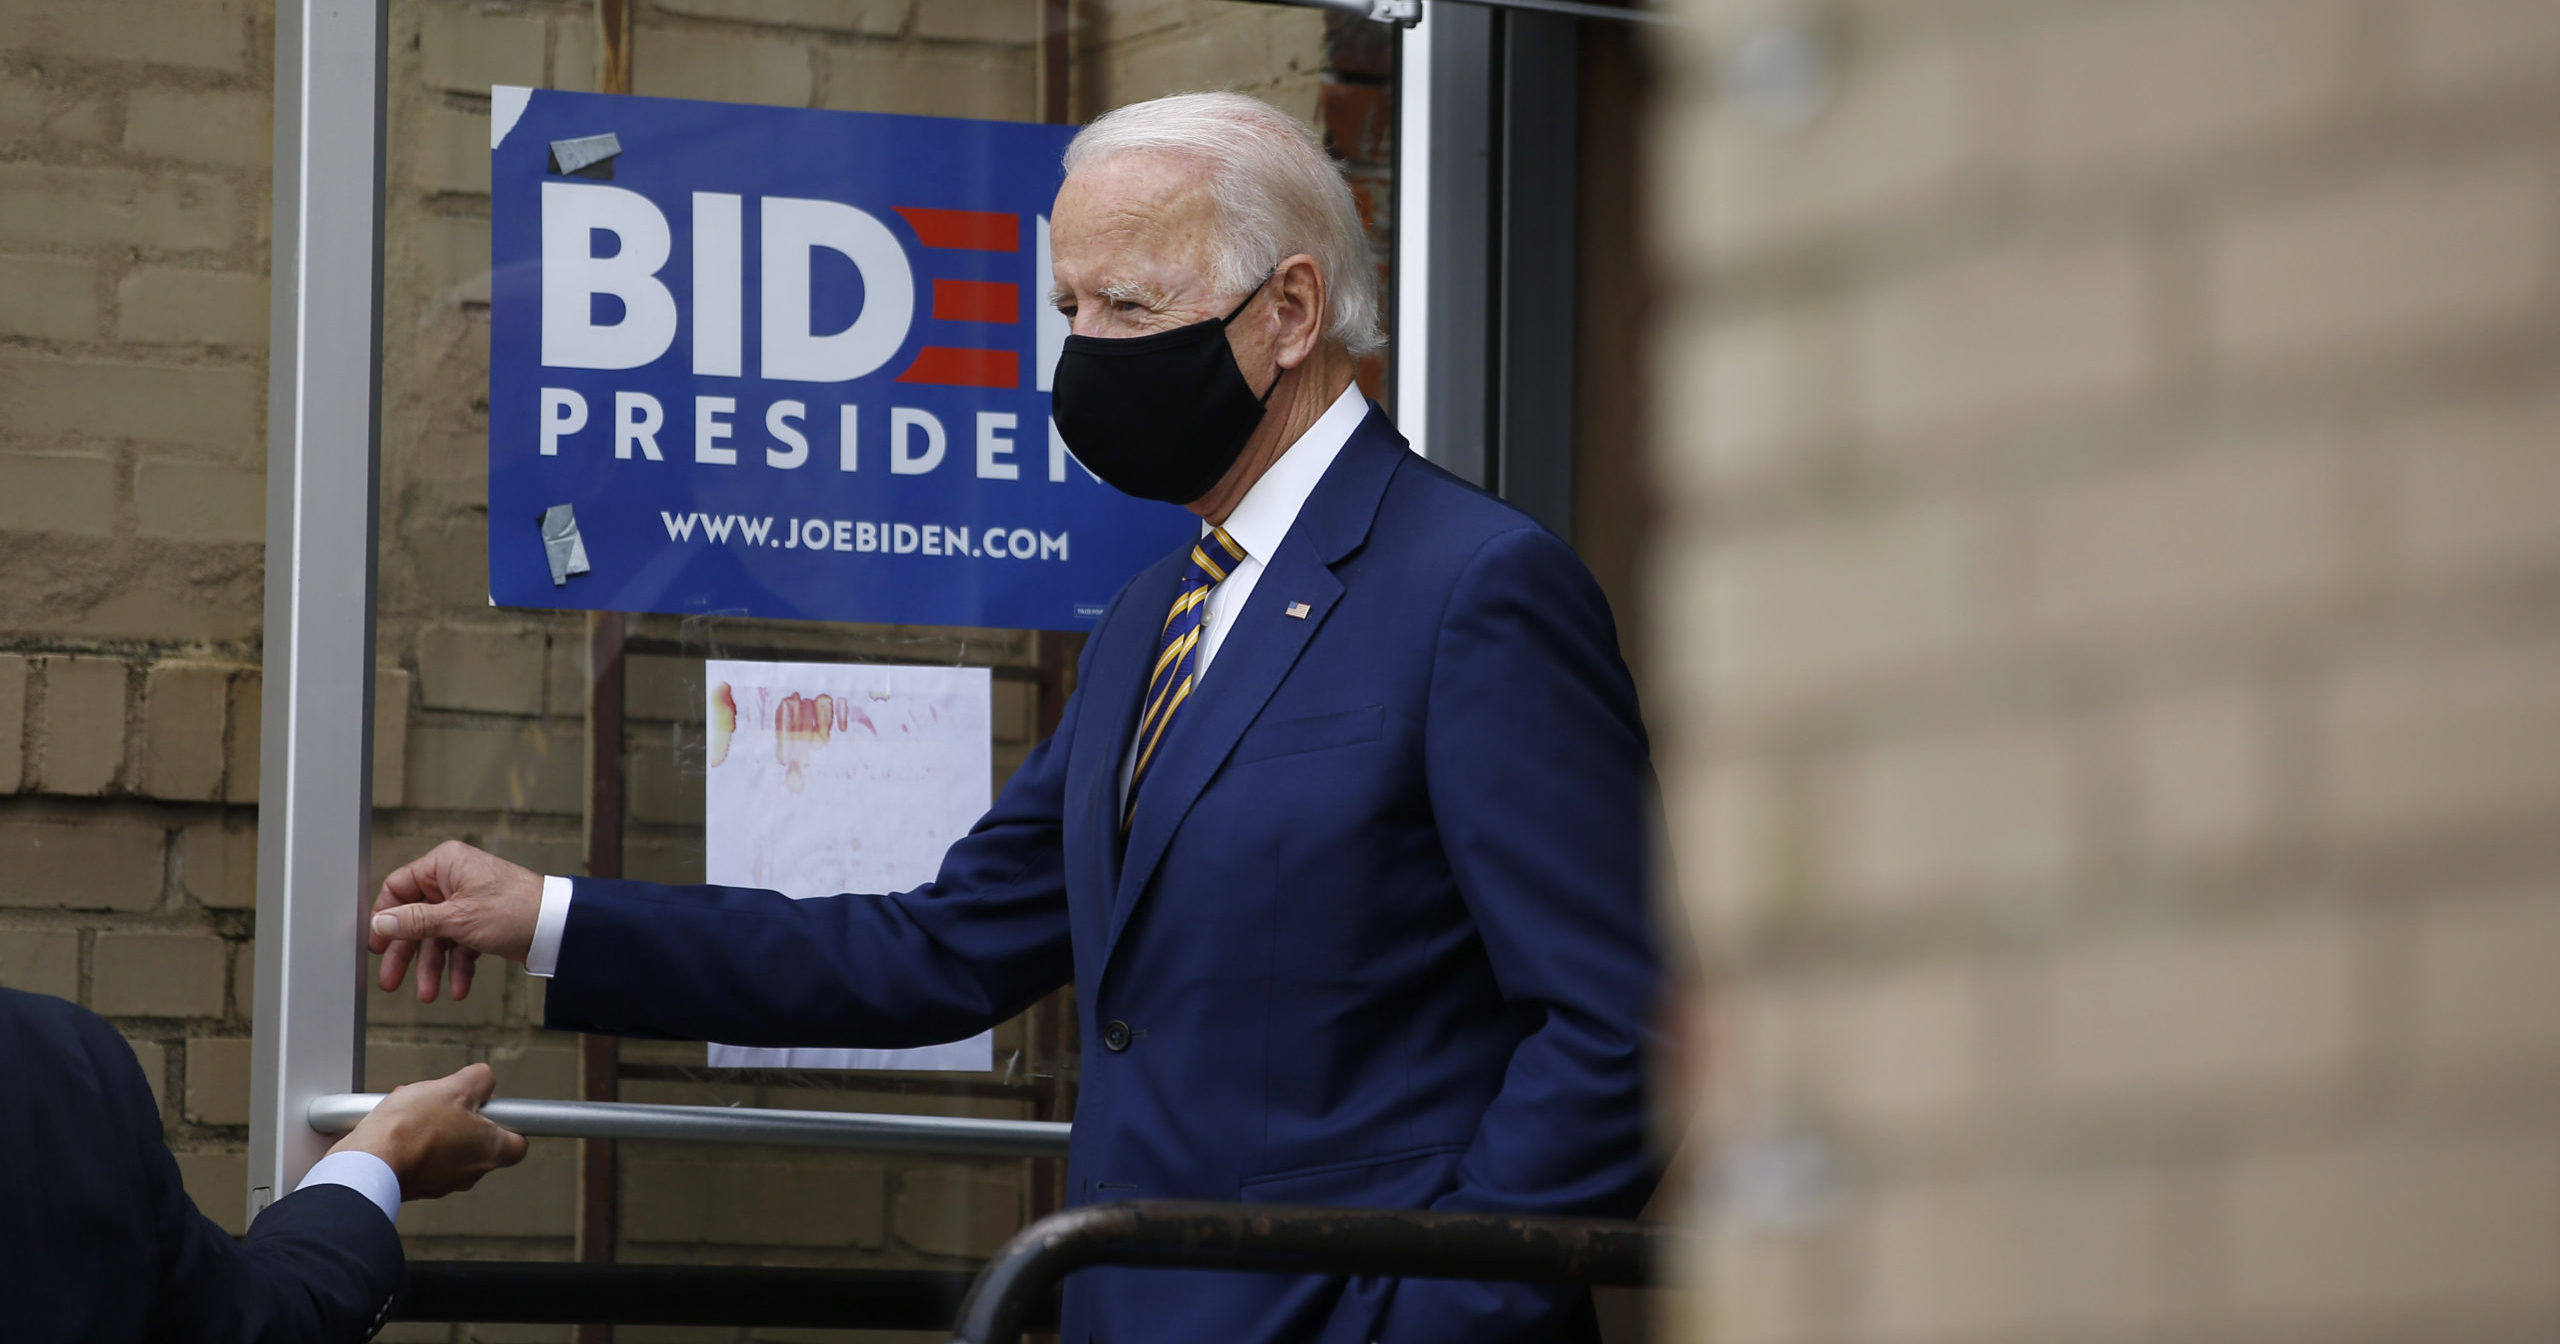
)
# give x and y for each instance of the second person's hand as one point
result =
(441, 911)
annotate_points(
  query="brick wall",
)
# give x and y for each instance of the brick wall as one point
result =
(134, 147)
(2109, 703)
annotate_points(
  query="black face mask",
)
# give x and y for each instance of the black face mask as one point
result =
(1161, 416)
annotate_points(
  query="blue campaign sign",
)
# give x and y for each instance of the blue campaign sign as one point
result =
(777, 362)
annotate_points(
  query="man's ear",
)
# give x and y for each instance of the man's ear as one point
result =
(1299, 313)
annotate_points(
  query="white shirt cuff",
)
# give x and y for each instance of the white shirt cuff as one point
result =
(363, 1173)
(544, 956)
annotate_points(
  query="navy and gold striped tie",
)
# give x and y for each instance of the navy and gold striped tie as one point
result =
(1177, 664)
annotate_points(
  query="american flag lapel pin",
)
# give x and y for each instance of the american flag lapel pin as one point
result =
(1296, 611)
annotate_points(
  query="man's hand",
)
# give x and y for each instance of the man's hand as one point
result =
(433, 1136)
(447, 908)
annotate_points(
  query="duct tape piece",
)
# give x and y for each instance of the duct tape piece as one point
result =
(586, 155)
(562, 544)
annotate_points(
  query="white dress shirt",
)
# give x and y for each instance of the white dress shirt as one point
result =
(363, 1173)
(1260, 521)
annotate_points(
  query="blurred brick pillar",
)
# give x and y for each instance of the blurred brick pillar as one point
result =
(2107, 660)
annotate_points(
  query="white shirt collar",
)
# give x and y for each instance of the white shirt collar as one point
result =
(1263, 517)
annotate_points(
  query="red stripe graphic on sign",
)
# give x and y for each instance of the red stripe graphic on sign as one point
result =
(973, 230)
(976, 301)
(964, 368)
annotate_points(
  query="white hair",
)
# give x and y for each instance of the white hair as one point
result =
(1276, 191)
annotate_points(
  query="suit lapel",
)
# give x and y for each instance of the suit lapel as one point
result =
(1119, 679)
(1257, 654)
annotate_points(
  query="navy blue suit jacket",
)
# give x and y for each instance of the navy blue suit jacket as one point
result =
(99, 1242)
(1376, 936)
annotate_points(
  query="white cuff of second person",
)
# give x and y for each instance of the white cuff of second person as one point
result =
(544, 956)
(363, 1173)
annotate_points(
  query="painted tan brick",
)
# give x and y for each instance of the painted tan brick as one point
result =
(453, 150)
(158, 974)
(2382, 263)
(946, 1212)
(13, 721)
(183, 711)
(1759, 390)
(198, 405)
(390, 737)
(479, 770)
(2200, 770)
(666, 788)
(2470, 491)
(1904, 1047)
(722, 1202)
(494, 669)
(215, 128)
(2460, 47)
(168, 303)
(240, 764)
(78, 744)
(1895, 139)
(50, 298)
(85, 207)
(1737, 834)
(2486, 995)
(218, 863)
(1968, 812)
(1942, 1262)
(218, 1080)
(219, 1185)
(664, 690)
(535, 1198)
(871, 18)
(389, 1064)
(2340, 1233)
(1788, 616)
(153, 1059)
(2243, 532)
(943, 81)
(2060, 1255)
(577, 53)
(58, 492)
(207, 35)
(535, 1071)
(2018, 331)
(2449, 741)
(30, 105)
(727, 66)
(2137, 1017)
(454, 266)
(1005, 21)
(93, 866)
(468, 50)
(2088, 87)
(41, 962)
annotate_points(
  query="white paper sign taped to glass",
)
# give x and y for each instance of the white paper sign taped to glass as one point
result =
(833, 777)
(788, 363)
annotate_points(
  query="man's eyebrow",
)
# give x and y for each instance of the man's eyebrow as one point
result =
(1116, 291)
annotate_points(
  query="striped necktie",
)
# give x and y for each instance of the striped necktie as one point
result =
(1178, 662)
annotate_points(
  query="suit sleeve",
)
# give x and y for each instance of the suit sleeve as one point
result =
(981, 942)
(1541, 782)
(322, 1266)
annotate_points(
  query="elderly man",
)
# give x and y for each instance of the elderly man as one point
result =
(1340, 839)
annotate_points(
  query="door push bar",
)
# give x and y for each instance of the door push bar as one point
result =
(941, 1135)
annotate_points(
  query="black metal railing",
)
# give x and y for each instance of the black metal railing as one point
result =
(1017, 1290)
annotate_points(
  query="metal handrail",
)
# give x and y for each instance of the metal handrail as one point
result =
(1396, 1243)
(943, 1135)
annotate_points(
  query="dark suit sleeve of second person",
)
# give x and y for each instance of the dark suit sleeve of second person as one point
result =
(978, 944)
(1541, 783)
(318, 1267)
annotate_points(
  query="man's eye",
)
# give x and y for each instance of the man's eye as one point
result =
(1126, 305)
(1067, 311)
